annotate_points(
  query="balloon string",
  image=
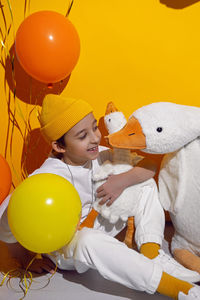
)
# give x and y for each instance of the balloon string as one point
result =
(56, 267)
(69, 9)
(5, 48)
(11, 14)
(10, 9)
(25, 7)
(26, 284)
(26, 277)
(16, 109)
(4, 18)
(14, 273)
(6, 275)
(12, 120)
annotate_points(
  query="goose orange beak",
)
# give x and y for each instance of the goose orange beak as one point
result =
(129, 137)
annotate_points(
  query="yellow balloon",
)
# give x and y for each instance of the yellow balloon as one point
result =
(43, 212)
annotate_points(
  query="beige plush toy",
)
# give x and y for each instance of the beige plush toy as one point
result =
(174, 130)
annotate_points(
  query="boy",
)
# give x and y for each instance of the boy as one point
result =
(71, 128)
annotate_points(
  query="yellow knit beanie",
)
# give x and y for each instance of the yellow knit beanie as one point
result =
(59, 114)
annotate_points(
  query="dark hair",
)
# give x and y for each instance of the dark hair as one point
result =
(61, 143)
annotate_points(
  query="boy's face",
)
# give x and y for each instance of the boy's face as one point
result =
(82, 141)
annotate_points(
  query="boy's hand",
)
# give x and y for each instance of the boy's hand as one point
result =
(38, 265)
(110, 190)
(24, 257)
(115, 184)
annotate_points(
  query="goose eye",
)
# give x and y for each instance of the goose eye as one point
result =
(109, 120)
(159, 129)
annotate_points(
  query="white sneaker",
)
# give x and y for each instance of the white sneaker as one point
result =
(194, 293)
(173, 268)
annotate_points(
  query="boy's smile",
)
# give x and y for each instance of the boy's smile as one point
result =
(94, 149)
(82, 141)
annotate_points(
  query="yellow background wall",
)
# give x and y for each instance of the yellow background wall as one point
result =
(132, 52)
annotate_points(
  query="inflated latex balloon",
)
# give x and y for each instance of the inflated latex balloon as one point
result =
(43, 212)
(47, 46)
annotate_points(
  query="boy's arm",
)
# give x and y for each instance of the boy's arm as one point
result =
(115, 184)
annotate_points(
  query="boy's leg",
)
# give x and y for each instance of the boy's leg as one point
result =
(150, 218)
(149, 223)
(116, 262)
(113, 260)
(171, 286)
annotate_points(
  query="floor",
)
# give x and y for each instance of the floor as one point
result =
(70, 285)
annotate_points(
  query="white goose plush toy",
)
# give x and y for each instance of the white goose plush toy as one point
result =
(174, 130)
(125, 206)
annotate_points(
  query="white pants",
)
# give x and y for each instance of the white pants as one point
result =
(98, 249)
(149, 218)
(94, 249)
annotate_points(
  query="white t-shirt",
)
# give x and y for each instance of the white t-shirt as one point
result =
(80, 176)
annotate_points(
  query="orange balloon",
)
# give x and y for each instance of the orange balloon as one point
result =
(5, 178)
(47, 46)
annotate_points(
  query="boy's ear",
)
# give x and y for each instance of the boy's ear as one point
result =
(56, 147)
